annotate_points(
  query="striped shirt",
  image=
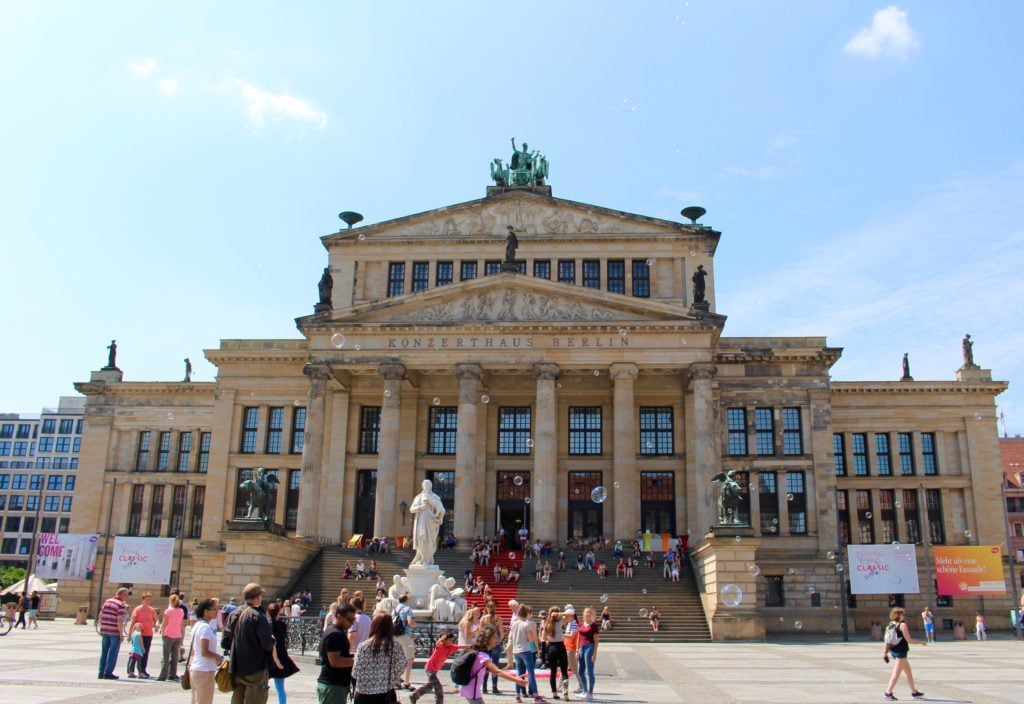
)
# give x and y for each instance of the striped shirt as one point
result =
(112, 616)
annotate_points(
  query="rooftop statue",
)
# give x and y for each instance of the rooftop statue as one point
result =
(525, 169)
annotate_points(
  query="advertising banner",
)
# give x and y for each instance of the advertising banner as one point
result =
(883, 569)
(141, 560)
(66, 555)
(969, 569)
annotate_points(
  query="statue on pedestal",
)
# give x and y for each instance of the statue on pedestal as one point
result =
(698, 284)
(111, 355)
(326, 287)
(729, 498)
(428, 512)
(511, 245)
(261, 488)
(441, 603)
(188, 369)
(525, 169)
(968, 348)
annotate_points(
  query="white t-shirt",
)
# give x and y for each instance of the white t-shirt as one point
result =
(203, 631)
(296, 610)
(361, 627)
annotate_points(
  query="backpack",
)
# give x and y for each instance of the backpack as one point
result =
(462, 667)
(399, 622)
(892, 634)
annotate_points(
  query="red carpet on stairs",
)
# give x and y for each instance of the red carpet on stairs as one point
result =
(501, 592)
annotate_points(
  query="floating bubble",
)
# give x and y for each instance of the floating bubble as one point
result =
(868, 514)
(831, 555)
(967, 534)
(739, 538)
(896, 544)
(693, 252)
(649, 262)
(683, 341)
(436, 401)
(597, 372)
(789, 497)
(754, 570)
(577, 490)
(617, 485)
(899, 504)
(636, 563)
(798, 625)
(526, 500)
(296, 403)
(622, 331)
(643, 591)
(731, 595)
(485, 399)
(361, 237)
(518, 480)
(782, 619)
(643, 613)
(839, 567)
(810, 590)
(511, 556)
(529, 442)
(598, 494)
(358, 347)
(558, 385)
(791, 570)
(338, 340)
(775, 521)
(604, 598)
(170, 416)
(649, 445)
(387, 393)
(545, 579)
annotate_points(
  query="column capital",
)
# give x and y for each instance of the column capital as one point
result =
(703, 371)
(468, 370)
(546, 371)
(317, 372)
(391, 371)
(623, 370)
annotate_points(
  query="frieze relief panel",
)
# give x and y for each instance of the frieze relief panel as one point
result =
(510, 305)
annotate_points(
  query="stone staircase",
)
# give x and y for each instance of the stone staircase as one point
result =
(323, 575)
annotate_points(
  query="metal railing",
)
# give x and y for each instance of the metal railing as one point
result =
(305, 632)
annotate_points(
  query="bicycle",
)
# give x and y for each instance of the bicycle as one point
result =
(6, 624)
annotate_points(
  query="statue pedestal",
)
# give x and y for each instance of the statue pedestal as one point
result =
(509, 267)
(420, 579)
(111, 375)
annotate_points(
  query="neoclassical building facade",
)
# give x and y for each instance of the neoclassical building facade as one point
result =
(589, 356)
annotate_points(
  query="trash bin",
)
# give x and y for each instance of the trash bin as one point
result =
(82, 615)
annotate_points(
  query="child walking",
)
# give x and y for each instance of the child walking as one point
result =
(443, 648)
(135, 657)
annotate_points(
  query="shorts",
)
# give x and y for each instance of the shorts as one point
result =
(929, 628)
(32, 613)
(897, 656)
(408, 646)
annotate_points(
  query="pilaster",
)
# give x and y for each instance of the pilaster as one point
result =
(624, 499)
(706, 461)
(312, 452)
(390, 445)
(545, 454)
(465, 449)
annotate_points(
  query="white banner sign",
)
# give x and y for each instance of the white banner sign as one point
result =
(66, 555)
(141, 560)
(883, 569)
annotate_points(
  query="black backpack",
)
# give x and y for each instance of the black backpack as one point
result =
(399, 622)
(462, 667)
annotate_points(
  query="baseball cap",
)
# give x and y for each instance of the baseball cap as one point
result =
(569, 609)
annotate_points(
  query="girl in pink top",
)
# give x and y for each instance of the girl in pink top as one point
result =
(486, 640)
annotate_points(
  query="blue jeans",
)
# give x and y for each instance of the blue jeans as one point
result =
(524, 665)
(587, 666)
(495, 658)
(109, 648)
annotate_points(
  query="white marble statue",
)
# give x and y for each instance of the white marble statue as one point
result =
(440, 598)
(428, 512)
(400, 587)
(457, 604)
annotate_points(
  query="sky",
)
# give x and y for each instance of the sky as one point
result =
(167, 169)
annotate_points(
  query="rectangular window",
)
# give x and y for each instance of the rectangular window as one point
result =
(905, 445)
(616, 275)
(49, 426)
(911, 518)
(31, 504)
(566, 271)
(21, 448)
(839, 454)
(768, 502)
(76, 445)
(46, 444)
(887, 509)
(54, 482)
(883, 455)
(775, 591)
(764, 427)
(275, 428)
(860, 454)
(62, 445)
(184, 452)
(242, 497)
(69, 484)
(737, 421)
(369, 430)
(17, 502)
(792, 434)
(492, 266)
(928, 459)
(584, 430)
(20, 482)
(142, 456)
(163, 452)
(298, 430)
(542, 269)
(592, 273)
(844, 516)
(657, 431)
(42, 462)
(5, 481)
(641, 278)
(51, 503)
(467, 271)
(7, 430)
(135, 514)
(396, 279)
(79, 424)
(5, 448)
(444, 273)
(198, 504)
(936, 531)
(203, 466)
(514, 430)
(420, 276)
(65, 524)
(250, 426)
(67, 426)
(36, 482)
(49, 525)
(442, 430)
(156, 510)
(178, 511)
(291, 519)
(25, 431)
(796, 501)
(865, 519)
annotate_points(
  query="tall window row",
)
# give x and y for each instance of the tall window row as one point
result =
(890, 516)
(771, 496)
(609, 274)
(170, 512)
(875, 454)
(769, 431)
(173, 451)
(285, 432)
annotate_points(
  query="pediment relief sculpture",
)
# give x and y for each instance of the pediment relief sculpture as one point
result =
(511, 305)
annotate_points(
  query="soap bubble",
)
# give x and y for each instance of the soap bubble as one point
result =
(296, 403)
(649, 262)
(899, 504)
(518, 480)
(597, 372)
(831, 555)
(436, 401)
(643, 613)
(649, 445)
(839, 567)
(361, 237)
(636, 563)
(485, 399)
(358, 347)
(387, 393)
(643, 591)
(731, 595)
(775, 521)
(598, 494)
(526, 500)
(791, 570)
(617, 485)
(529, 442)
(576, 490)
(967, 534)
(604, 598)
(622, 331)
(798, 625)
(739, 538)
(558, 385)
(789, 497)
(170, 416)
(511, 556)
(338, 340)
(810, 590)
(782, 619)
(545, 579)
(868, 514)
(754, 570)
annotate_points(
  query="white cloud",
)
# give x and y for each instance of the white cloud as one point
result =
(262, 104)
(169, 86)
(889, 35)
(142, 67)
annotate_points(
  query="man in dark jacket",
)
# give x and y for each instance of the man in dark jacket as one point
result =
(249, 639)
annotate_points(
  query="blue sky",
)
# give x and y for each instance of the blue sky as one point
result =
(168, 169)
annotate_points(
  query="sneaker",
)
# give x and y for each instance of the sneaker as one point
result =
(519, 699)
(161, 679)
(145, 676)
(915, 693)
(131, 675)
(890, 696)
(111, 676)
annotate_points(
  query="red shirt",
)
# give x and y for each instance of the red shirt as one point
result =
(438, 657)
(146, 615)
(587, 633)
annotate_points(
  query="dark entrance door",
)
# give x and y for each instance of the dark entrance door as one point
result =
(586, 518)
(658, 502)
(366, 495)
(513, 502)
(444, 487)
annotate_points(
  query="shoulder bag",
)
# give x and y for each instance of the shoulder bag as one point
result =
(186, 677)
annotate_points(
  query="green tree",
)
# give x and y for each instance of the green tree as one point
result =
(10, 575)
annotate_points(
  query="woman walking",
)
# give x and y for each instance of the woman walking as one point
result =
(281, 665)
(590, 633)
(379, 664)
(203, 659)
(492, 619)
(523, 636)
(171, 631)
(899, 632)
(487, 641)
(557, 658)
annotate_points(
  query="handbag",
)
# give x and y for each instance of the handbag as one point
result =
(224, 679)
(186, 677)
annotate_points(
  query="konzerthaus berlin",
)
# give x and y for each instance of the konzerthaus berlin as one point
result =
(570, 356)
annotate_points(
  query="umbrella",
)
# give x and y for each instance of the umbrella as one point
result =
(35, 584)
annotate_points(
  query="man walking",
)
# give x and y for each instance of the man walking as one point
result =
(336, 659)
(112, 616)
(249, 638)
(929, 623)
(404, 623)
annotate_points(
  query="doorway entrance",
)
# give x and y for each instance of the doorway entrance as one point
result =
(658, 502)
(586, 518)
(366, 496)
(513, 503)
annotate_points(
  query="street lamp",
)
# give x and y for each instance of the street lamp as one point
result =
(402, 506)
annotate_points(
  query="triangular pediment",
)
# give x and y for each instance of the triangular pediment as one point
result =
(511, 298)
(533, 215)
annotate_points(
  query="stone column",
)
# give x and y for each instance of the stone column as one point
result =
(544, 495)
(465, 449)
(312, 452)
(390, 443)
(705, 462)
(625, 486)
